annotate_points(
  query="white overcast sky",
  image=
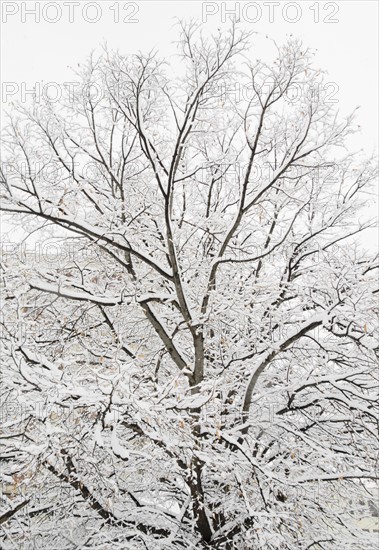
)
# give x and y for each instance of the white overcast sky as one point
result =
(42, 51)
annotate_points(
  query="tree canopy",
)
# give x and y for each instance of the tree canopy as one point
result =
(195, 366)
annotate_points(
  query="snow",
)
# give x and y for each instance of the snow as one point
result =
(117, 448)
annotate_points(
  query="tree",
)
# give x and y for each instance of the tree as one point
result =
(195, 365)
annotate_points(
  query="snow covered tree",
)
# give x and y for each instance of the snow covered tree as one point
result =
(189, 353)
